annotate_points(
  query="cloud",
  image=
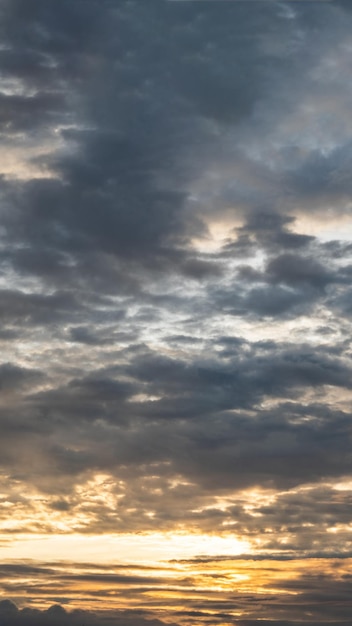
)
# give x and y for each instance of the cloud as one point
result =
(175, 266)
(211, 590)
(56, 614)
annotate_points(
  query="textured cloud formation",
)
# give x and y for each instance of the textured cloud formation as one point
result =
(175, 287)
(212, 591)
(56, 615)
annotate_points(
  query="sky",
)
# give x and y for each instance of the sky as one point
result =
(175, 307)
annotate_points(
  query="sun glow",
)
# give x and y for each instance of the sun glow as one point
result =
(125, 547)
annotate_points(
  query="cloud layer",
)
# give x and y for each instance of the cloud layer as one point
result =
(175, 276)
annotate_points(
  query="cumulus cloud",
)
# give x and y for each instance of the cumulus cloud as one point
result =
(175, 300)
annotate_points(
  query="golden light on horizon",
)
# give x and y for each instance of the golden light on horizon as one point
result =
(143, 547)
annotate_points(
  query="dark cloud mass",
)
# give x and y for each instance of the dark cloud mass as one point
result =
(175, 307)
(57, 615)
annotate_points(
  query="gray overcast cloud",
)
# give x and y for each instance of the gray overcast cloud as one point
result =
(175, 305)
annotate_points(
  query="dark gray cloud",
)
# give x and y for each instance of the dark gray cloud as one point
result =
(122, 192)
(13, 377)
(175, 300)
(56, 614)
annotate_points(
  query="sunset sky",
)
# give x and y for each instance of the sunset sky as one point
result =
(175, 307)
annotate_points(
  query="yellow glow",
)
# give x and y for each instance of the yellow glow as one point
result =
(174, 585)
(126, 547)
